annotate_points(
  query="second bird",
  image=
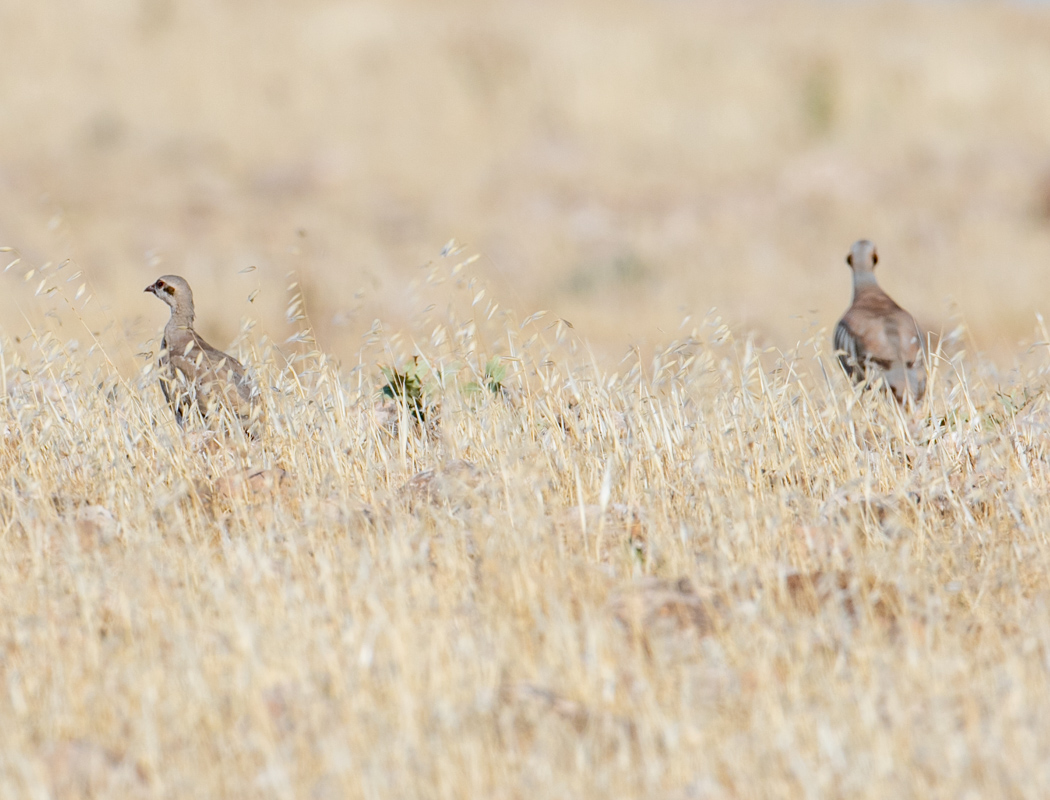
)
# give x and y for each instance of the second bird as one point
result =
(193, 373)
(877, 337)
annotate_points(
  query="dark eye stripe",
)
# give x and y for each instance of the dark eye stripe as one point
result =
(169, 289)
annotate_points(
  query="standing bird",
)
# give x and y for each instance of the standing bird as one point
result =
(193, 373)
(877, 337)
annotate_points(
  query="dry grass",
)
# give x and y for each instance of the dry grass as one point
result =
(708, 569)
(710, 575)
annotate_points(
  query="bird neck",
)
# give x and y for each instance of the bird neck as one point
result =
(863, 279)
(181, 317)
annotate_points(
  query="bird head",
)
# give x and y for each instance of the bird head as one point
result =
(862, 256)
(175, 291)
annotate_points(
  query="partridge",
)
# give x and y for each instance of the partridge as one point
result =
(193, 373)
(876, 337)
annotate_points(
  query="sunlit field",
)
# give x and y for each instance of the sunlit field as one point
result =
(558, 489)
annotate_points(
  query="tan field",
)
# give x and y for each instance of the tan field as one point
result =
(648, 541)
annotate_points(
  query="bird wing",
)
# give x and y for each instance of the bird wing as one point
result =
(908, 374)
(171, 384)
(873, 321)
(210, 372)
(846, 345)
(878, 332)
(909, 338)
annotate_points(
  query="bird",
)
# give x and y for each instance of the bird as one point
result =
(194, 375)
(876, 337)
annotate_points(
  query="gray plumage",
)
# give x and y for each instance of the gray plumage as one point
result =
(193, 374)
(877, 337)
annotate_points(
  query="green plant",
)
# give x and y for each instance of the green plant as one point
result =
(407, 387)
(492, 379)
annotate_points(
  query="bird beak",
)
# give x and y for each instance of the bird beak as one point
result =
(152, 288)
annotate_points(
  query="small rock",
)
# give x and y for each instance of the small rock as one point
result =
(84, 769)
(252, 484)
(95, 525)
(654, 605)
(456, 483)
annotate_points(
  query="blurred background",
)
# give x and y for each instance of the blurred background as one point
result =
(622, 163)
